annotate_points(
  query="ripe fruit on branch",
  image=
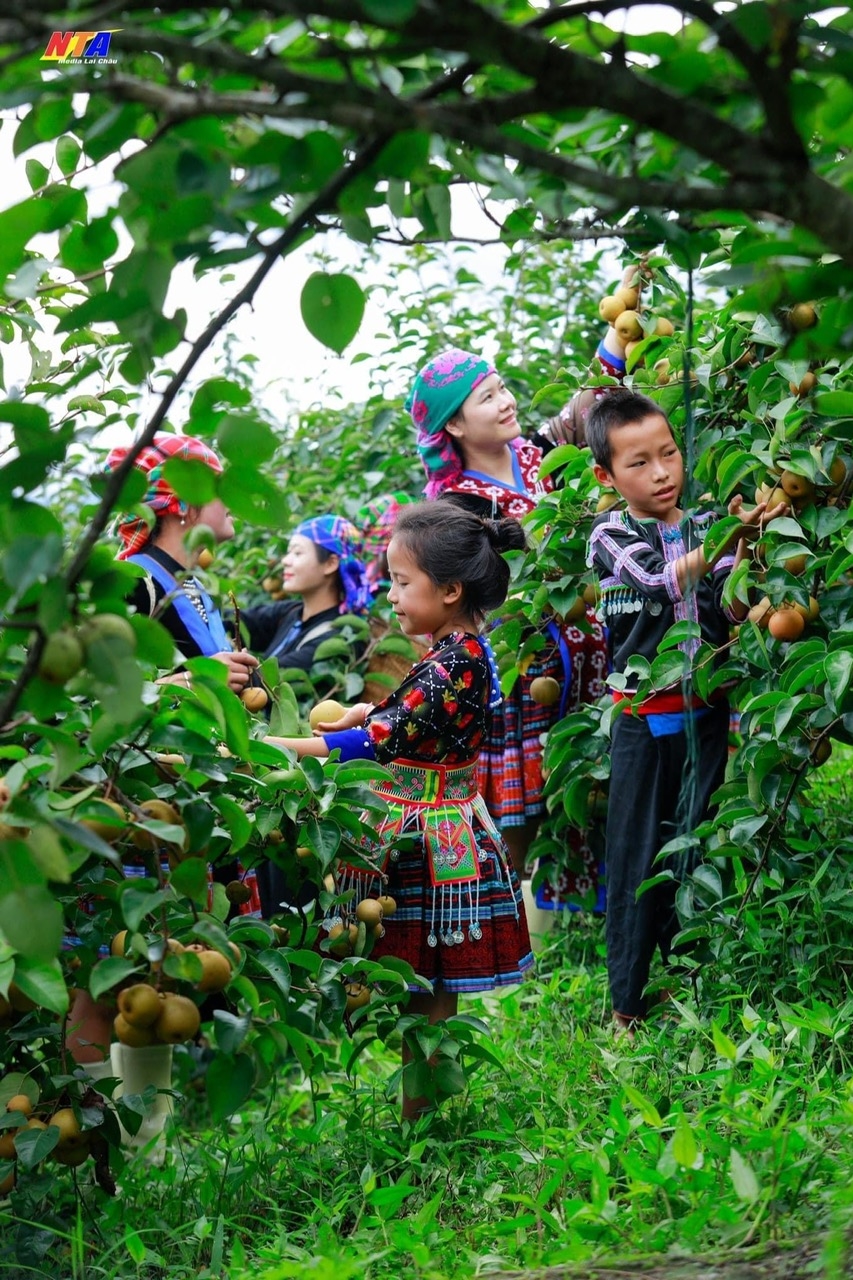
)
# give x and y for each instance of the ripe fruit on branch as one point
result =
(545, 690)
(664, 328)
(133, 1037)
(110, 832)
(821, 751)
(662, 370)
(216, 971)
(204, 559)
(72, 1156)
(61, 658)
(160, 811)
(575, 611)
(325, 712)
(139, 1005)
(807, 383)
(20, 1103)
(787, 623)
(611, 307)
(358, 995)
(369, 911)
(68, 1125)
(628, 326)
(388, 905)
(802, 316)
(179, 1020)
(628, 297)
(796, 487)
(761, 612)
(119, 943)
(271, 583)
(254, 699)
(340, 939)
(238, 892)
(606, 501)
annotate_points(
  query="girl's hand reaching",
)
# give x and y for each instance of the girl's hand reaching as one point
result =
(353, 718)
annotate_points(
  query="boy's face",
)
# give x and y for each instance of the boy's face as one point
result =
(646, 468)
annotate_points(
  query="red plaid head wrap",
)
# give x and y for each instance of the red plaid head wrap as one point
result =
(133, 529)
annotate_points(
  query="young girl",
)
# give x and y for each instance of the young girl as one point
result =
(469, 442)
(321, 568)
(459, 919)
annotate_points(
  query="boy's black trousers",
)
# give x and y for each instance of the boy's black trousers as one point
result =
(647, 775)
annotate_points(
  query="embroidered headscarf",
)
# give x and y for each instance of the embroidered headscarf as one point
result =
(440, 389)
(133, 530)
(341, 538)
(376, 520)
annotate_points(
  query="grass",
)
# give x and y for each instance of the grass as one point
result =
(721, 1128)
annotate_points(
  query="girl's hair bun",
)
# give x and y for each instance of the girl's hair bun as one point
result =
(505, 534)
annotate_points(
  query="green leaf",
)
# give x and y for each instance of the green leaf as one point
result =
(276, 967)
(838, 667)
(67, 154)
(230, 1030)
(43, 982)
(392, 12)
(229, 1082)
(108, 973)
(191, 480)
(30, 916)
(190, 879)
(32, 1145)
(834, 404)
(743, 1178)
(684, 1147)
(246, 438)
(332, 309)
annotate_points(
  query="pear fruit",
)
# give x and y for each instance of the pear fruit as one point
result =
(160, 811)
(20, 1103)
(786, 623)
(204, 559)
(628, 297)
(133, 1037)
(611, 307)
(139, 1005)
(254, 699)
(358, 995)
(238, 892)
(107, 831)
(369, 911)
(545, 690)
(802, 316)
(216, 971)
(388, 905)
(628, 326)
(325, 712)
(796, 487)
(61, 658)
(179, 1020)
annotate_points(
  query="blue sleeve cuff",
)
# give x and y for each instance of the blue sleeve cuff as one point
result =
(353, 744)
(610, 357)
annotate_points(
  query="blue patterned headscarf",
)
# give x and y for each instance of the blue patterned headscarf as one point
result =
(440, 389)
(342, 539)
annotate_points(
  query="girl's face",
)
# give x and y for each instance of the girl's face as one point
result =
(217, 517)
(303, 572)
(421, 607)
(487, 418)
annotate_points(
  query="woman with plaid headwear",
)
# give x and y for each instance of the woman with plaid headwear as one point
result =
(473, 454)
(168, 590)
(320, 568)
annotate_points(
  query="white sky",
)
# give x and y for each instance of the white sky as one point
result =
(292, 369)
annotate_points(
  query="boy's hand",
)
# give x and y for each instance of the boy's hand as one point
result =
(753, 521)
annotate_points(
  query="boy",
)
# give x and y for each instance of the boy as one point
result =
(653, 573)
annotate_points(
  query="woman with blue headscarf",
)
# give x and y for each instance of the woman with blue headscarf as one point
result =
(322, 569)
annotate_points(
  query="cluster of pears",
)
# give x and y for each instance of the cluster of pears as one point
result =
(149, 1015)
(70, 649)
(622, 310)
(111, 819)
(72, 1148)
(349, 936)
